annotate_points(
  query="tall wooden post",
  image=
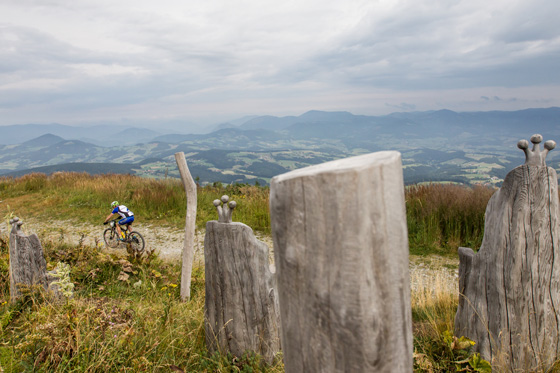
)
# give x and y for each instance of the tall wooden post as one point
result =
(341, 253)
(510, 289)
(190, 225)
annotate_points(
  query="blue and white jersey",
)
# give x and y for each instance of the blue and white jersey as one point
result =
(123, 211)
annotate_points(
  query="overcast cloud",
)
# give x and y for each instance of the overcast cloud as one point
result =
(145, 61)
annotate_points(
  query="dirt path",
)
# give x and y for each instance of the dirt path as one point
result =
(425, 271)
(166, 241)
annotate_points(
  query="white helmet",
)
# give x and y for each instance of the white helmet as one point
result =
(114, 204)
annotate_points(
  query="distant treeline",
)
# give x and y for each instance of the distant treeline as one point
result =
(201, 173)
(261, 169)
(90, 168)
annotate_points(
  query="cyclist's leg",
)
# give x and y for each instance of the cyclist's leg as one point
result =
(127, 222)
(118, 227)
(130, 219)
(123, 221)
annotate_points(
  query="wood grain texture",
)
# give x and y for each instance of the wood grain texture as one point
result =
(190, 225)
(241, 305)
(27, 262)
(341, 254)
(510, 299)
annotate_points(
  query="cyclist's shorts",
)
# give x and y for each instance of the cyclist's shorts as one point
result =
(128, 220)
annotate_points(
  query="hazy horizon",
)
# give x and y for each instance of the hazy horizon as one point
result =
(166, 126)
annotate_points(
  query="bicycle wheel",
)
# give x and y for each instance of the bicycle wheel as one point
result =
(110, 237)
(136, 242)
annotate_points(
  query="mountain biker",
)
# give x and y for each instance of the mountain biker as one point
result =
(126, 215)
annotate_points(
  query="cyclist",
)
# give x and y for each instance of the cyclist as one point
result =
(126, 215)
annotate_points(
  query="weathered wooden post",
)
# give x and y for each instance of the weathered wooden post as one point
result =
(28, 267)
(510, 290)
(190, 225)
(240, 307)
(27, 262)
(341, 255)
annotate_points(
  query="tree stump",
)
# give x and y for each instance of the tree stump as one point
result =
(27, 262)
(240, 307)
(341, 255)
(509, 291)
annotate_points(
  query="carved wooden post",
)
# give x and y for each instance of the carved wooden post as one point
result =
(240, 302)
(27, 263)
(510, 290)
(190, 225)
(341, 255)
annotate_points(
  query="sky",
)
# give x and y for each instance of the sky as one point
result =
(205, 62)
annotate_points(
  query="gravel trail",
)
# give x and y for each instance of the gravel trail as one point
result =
(168, 243)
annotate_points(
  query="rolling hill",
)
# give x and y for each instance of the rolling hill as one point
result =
(468, 147)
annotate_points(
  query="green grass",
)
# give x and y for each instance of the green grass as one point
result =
(441, 217)
(111, 324)
(141, 325)
(88, 197)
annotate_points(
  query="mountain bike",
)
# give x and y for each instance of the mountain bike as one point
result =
(133, 240)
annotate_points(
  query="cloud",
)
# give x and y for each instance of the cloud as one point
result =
(495, 99)
(103, 59)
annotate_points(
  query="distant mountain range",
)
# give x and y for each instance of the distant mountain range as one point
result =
(102, 135)
(469, 147)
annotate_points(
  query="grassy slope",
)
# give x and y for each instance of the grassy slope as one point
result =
(139, 324)
(87, 198)
(111, 324)
(440, 217)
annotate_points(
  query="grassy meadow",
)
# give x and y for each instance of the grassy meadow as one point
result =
(87, 198)
(126, 315)
(440, 217)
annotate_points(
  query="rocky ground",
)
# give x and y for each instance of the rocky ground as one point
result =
(436, 273)
(167, 242)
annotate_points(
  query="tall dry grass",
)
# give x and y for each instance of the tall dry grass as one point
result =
(434, 304)
(442, 217)
(434, 300)
(88, 197)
